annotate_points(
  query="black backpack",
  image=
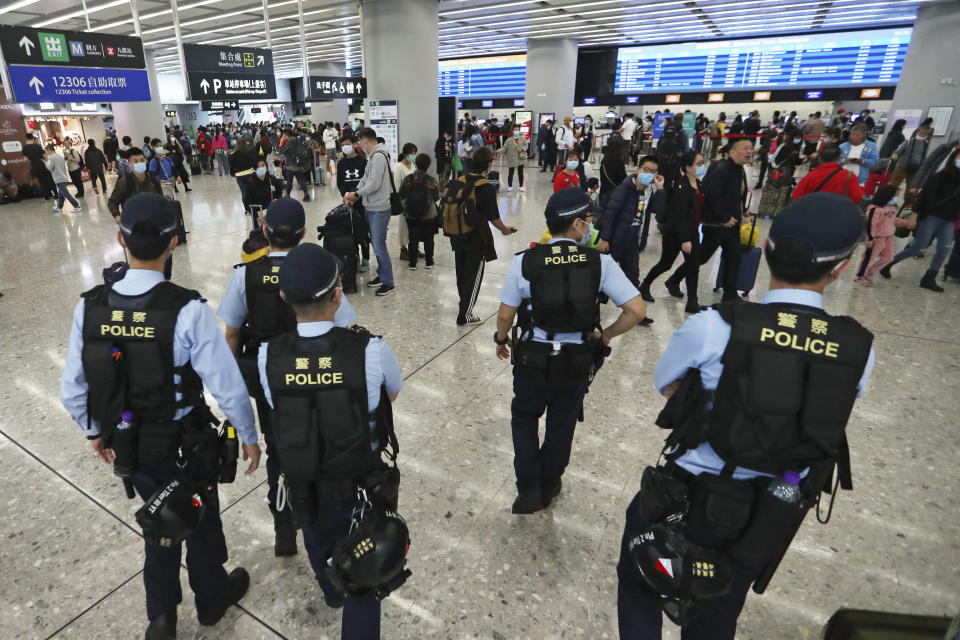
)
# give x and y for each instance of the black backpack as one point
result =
(416, 201)
(668, 154)
(302, 156)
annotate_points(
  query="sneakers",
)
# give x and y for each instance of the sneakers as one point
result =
(865, 282)
(471, 319)
(306, 197)
(364, 266)
(522, 188)
(163, 627)
(428, 265)
(373, 283)
(413, 267)
(385, 290)
(77, 208)
(237, 584)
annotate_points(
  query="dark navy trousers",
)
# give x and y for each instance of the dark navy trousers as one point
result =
(273, 466)
(361, 616)
(537, 464)
(206, 554)
(638, 612)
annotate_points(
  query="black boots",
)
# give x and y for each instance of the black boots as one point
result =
(645, 291)
(673, 287)
(929, 281)
(885, 272)
(528, 502)
(549, 492)
(163, 627)
(693, 306)
(285, 542)
(237, 584)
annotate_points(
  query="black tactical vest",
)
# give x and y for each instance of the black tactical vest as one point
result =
(564, 287)
(268, 315)
(789, 382)
(128, 355)
(321, 424)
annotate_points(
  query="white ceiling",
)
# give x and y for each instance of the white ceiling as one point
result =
(466, 27)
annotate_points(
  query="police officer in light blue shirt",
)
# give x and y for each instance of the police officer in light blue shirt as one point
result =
(136, 324)
(253, 317)
(323, 355)
(555, 288)
(785, 367)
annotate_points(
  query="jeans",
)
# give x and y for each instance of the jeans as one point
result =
(206, 553)
(76, 177)
(519, 176)
(379, 221)
(535, 464)
(361, 616)
(63, 194)
(930, 228)
(421, 230)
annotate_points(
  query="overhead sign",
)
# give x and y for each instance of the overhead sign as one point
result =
(216, 73)
(813, 95)
(327, 87)
(633, 99)
(170, 114)
(53, 47)
(590, 101)
(219, 105)
(759, 96)
(870, 93)
(66, 84)
(715, 97)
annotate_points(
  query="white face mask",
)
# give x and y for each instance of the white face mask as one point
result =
(347, 149)
(261, 171)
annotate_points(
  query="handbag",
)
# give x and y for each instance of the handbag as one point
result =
(396, 202)
(457, 164)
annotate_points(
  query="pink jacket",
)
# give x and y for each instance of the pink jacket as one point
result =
(883, 221)
(219, 142)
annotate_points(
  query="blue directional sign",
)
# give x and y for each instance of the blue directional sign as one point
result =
(77, 84)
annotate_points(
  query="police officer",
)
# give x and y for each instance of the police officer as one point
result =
(254, 312)
(759, 397)
(161, 343)
(328, 388)
(555, 287)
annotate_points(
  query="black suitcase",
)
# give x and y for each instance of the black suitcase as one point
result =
(168, 193)
(195, 166)
(858, 624)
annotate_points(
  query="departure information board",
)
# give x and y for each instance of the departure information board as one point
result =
(483, 77)
(841, 59)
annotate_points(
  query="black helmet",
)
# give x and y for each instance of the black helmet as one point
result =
(372, 557)
(171, 514)
(679, 570)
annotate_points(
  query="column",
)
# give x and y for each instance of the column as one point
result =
(138, 119)
(931, 59)
(334, 110)
(551, 77)
(400, 63)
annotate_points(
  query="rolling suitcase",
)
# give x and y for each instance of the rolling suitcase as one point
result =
(749, 264)
(195, 166)
(168, 193)
(256, 212)
(856, 624)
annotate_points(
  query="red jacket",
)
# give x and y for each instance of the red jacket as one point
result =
(815, 178)
(562, 180)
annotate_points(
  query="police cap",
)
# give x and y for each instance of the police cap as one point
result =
(568, 203)
(285, 217)
(308, 272)
(148, 214)
(818, 228)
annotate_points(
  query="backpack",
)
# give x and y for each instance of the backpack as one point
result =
(302, 157)
(459, 207)
(416, 202)
(668, 154)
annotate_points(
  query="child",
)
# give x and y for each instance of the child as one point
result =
(881, 221)
(593, 192)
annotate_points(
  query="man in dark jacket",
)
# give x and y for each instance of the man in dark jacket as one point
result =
(34, 153)
(291, 146)
(139, 180)
(544, 139)
(725, 197)
(751, 126)
(627, 219)
(443, 151)
(96, 164)
(110, 147)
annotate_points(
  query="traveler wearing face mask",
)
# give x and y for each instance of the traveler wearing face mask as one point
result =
(908, 158)
(568, 176)
(629, 209)
(859, 154)
(74, 165)
(261, 187)
(350, 169)
(401, 170)
(443, 151)
(555, 288)
(160, 165)
(586, 138)
(565, 138)
(139, 180)
(682, 217)
(514, 154)
(242, 162)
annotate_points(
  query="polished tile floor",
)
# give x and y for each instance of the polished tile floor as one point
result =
(71, 553)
